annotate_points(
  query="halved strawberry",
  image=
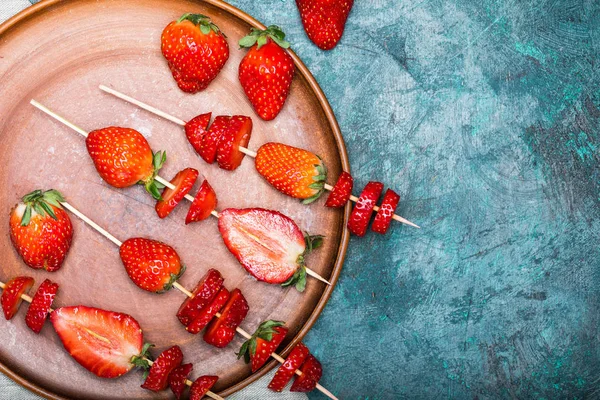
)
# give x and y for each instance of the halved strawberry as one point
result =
(221, 331)
(237, 134)
(183, 182)
(201, 386)
(206, 290)
(287, 370)
(341, 191)
(158, 376)
(204, 203)
(384, 216)
(40, 305)
(263, 343)
(11, 296)
(195, 129)
(178, 377)
(210, 140)
(103, 342)
(361, 214)
(311, 375)
(208, 312)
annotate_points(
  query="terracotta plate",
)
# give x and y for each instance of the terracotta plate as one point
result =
(58, 52)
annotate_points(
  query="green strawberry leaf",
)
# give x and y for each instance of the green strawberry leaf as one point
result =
(298, 279)
(248, 41)
(26, 216)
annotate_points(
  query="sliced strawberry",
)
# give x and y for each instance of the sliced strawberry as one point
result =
(206, 290)
(183, 182)
(237, 134)
(178, 377)
(11, 296)
(167, 361)
(204, 203)
(287, 370)
(40, 305)
(201, 386)
(195, 129)
(311, 375)
(384, 216)
(341, 191)
(361, 214)
(221, 331)
(208, 312)
(103, 342)
(210, 140)
(263, 343)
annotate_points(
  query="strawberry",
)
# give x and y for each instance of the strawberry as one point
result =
(341, 192)
(384, 216)
(203, 205)
(237, 134)
(221, 331)
(208, 312)
(293, 171)
(324, 20)
(123, 158)
(103, 342)
(40, 230)
(195, 129)
(204, 292)
(11, 296)
(266, 71)
(151, 265)
(178, 378)
(183, 182)
(311, 375)
(361, 214)
(210, 140)
(201, 386)
(268, 244)
(263, 343)
(287, 370)
(158, 376)
(40, 305)
(196, 51)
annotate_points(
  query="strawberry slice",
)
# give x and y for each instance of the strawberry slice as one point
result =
(341, 192)
(221, 331)
(183, 182)
(210, 140)
(204, 203)
(208, 312)
(201, 386)
(287, 370)
(206, 290)
(195, 129)
(361, 214)
(384, 216)
(237, 134)
(103, 342)
(158, 376)
(11, 296)
(263, 343)
(311, 375)
(40, 305)
(178, 377)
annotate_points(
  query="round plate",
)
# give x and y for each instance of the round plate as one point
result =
(58, 52)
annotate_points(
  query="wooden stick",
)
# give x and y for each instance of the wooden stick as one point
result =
(244, 150)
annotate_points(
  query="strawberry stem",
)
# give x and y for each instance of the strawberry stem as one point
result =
(151, 184)
(260, 37)
(41, 202)
(202, 21)
(142, 359)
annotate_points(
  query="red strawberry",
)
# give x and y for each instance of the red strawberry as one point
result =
(311, 375)
(40, 305)
(203, 205)
(195, 129)
(266, 71)
(183, 182)
(361, 214)
(158, 376)
(210, 140)
(196, 51)
(40, 230)
(341, 192)
(324, 20)
(384, 216)
(178, 378)
(263, 343)
(201, 386)
(103, 342)
(208, 312)
(11, 296)
(123, 157)
(237, 134)
(293, 171)
(287, 370)
(151, 265)
(204, 292)
(221, 331)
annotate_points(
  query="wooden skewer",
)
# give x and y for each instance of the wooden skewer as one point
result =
(244, 150)
(158, 178)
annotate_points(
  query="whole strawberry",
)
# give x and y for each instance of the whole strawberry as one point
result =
(40, 230)
(324, 20)
(196, 51)
(266, 71)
